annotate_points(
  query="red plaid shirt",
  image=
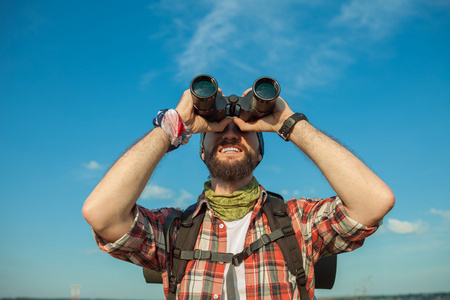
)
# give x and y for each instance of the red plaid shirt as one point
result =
(322, 227)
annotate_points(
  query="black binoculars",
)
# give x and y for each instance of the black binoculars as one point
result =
(214, 106)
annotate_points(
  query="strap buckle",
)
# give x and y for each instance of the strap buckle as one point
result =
(300, 278)
(236, 259)
(265, 239)
(201, 254)
(288, 230)
(172, 284)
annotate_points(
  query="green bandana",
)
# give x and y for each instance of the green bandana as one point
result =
(236, 205)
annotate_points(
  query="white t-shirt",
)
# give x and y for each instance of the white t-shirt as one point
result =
(236, 231)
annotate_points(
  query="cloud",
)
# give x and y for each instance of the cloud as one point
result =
(376, 17)
(296, 193)
(405, 227)
(147, 79)
(207, 43)
(443, 213)
(184, 199)
(157, 192)
(178, 199)
(92, 165)
(307, 43)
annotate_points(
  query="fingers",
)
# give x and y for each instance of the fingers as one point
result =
(259, 125)
(246, 92)
(185, 107)
(219, 126)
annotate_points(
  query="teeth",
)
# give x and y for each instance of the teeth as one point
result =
(229, 150)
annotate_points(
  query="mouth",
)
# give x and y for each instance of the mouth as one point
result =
(230, 149)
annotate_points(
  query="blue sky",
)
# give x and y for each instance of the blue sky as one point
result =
(81, 80)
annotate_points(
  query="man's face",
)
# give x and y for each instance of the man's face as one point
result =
(231, 155)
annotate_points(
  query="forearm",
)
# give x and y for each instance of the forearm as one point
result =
(366, 197)
(108, 209)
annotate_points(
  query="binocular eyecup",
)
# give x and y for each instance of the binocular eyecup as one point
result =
(214, 106)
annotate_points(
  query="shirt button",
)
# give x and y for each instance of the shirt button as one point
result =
(221, 227)
(215, 296)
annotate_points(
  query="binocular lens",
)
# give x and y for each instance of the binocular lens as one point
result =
(204, 88)
(266, 90)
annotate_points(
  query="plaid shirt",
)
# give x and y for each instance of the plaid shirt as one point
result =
(322, 226)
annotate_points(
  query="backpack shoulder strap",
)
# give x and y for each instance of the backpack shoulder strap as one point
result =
(276, 212)
(154, 276)
(186, 238)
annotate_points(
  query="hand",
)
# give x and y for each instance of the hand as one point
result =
(269, 123)
(195, 122)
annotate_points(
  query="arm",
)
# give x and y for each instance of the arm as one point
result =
(109, 208)
(367, 198)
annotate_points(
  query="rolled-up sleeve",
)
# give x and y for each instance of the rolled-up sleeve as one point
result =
(144, 243)
(326, 226)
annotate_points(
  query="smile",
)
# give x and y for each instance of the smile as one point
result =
(230, 150)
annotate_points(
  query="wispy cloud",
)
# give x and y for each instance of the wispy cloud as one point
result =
(405, 227)
(147, 78)
(208, 40)
(92, 165)
(375, 19)
(312, 50)
(443, 213)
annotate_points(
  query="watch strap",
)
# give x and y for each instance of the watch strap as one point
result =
(289, 123)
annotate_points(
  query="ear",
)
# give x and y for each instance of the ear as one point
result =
(203, 155)
(259, 157)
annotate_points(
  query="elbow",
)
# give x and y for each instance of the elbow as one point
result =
(389, 200)
(88, 213)
(386, 201)
(94, 215)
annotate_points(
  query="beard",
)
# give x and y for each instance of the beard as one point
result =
(230, 170)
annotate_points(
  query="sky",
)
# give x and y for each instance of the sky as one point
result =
(80, 81)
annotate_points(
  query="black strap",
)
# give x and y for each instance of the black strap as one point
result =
(234, 259)
(186, 238)
(154, 276)
(275, 210)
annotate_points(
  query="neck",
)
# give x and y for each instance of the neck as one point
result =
(228, 187)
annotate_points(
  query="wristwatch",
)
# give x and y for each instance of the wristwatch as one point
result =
(289, 124)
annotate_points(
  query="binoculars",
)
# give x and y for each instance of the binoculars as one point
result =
(214, 106)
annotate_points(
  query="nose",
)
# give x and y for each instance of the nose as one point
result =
(231, 132)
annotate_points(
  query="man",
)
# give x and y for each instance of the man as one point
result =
(232, 149)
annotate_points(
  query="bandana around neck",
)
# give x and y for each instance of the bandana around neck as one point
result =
(236, 205)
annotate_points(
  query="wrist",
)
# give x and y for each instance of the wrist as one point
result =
(288, 125)
(171, 123)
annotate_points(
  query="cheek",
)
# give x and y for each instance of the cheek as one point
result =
(208, 142)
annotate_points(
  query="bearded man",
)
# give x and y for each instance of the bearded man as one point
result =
(233, 199)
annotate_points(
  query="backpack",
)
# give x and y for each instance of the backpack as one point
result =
(282, 233)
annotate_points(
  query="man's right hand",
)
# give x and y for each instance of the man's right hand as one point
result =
(195, 122)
